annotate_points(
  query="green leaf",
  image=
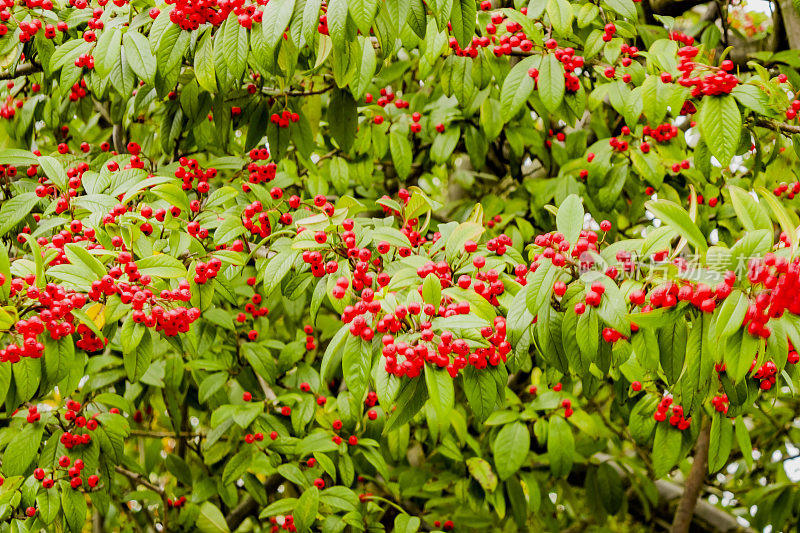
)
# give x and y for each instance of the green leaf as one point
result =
(541, 286)
(211, 519)
(143, 62)
(456, 79)
(481, 391)
(14, 210)
(780, 213)
(108, 52)
(432, 290)
(73, 503)
(729, 316)
(305, 512)
(404, 523)
(510, 448)
(738, 355)
(410, 399)
(569, 219)
(161, 266)
(676, 217)
(440, 391)
(137, 360)
(22, 449)
(666, 449)
(342, 117)
(356, 365)
(276, 17)
(625, 8)
(560, 446)
(277, 268)
(365, 74)
(481, 470)
(48, 505)
(672, 341)
(462, 18)
(750, 211)
(720, 123)
(27, 376)
(204, 63)
(337, 22)
(517, 87)
(54, 170)
(720, 443)
(551, 81)
(79, 256)
(363, 13)
(466, 231)
(171, 47)
(400, 148)
(743, 439)
(752, 97)
(235, 47)
(560, 14)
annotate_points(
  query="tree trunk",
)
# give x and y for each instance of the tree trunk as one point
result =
(791, 23)
(694, 483)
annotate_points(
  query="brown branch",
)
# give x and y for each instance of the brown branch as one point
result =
(248, 506)
(139, 479)
(775, 125)
(24, 69)
(165, 434)
(276, 94)
(694, 483)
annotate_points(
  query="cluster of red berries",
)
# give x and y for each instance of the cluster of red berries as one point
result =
(683, 165)
(447, 525)
(676, 418)
(781, 281)
(682, 38)
(260, 173)
(27, 29)
(282, 120)
(512, 37)
(177, 503)
(78, 90)
(793, 357)
(53, 307)
(608, 32)
(33, 414)
(189, 170)
(250, 438)
(387, 96)
(720, 403)
(593, 297)
(794, 107)
(285, 522)
(765, 375)
(191, 14)
(206, 271)
(554, 245)
(717, 82)
(9, 108)
(786, 189)
(570, 61)
(491, 223)
(251, 307)
(352, 440)
(662, 133)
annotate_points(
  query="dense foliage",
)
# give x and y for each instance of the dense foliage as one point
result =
(394, 265)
